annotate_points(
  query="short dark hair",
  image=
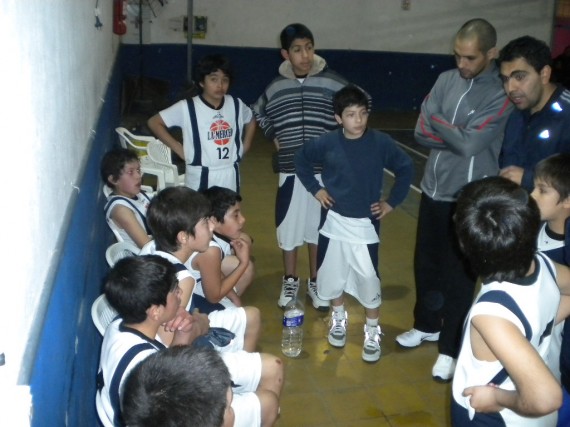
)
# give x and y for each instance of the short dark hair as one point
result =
(293, 32)
(136, 283)
(221, 200)
(348, 96)
(113, 163)
(173, 210)
(534, 51)
(555, 171)
(211, 63)
(181, 386)
(497, 224)
(482, 30)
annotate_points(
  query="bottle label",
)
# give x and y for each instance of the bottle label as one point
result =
(291, 322)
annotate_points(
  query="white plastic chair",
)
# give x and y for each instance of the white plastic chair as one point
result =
(139, 144)
(102, 313)
(120, 250)
(160, 154)
(134, 142)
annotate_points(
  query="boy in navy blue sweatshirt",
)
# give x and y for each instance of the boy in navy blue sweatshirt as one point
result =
(353, 160)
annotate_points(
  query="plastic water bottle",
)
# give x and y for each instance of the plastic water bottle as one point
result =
(292, 340)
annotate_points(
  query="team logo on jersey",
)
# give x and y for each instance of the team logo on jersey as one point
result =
(220, 132)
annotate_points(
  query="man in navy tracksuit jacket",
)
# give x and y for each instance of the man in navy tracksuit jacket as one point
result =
(540, 125)
(462, 120)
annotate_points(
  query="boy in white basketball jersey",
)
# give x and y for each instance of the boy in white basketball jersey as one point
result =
(225, 269)
(125, 210)
(552, 195)
(144, 291)
(217, 129)
(501, 378)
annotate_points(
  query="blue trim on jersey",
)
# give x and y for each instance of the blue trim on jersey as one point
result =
(283, 200)
(504, 299)
(204, 173)
(130, 202)
(460, 417)
(236, 169)
(118, 376)
(238, 135)
(197, 160)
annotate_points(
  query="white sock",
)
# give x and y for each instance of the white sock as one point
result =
(371, 322)
(339, 309)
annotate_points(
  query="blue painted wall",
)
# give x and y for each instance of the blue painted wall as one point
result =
(63, 377)
(396, 81)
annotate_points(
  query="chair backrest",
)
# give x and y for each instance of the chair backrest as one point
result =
(107, 190)
(102, 313)
(161, 155)
(166, 175)
(134, 142)
(120, 250)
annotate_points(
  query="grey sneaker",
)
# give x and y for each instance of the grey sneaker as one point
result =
(318, 303)
(289, 290)
(371, 349)
(337, 332)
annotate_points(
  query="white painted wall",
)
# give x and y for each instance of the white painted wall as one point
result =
(427, 27)
(53, 74)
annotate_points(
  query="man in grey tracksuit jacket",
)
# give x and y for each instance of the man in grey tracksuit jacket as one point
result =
(462, 122)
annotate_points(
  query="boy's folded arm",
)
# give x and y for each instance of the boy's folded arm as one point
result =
(216, 286)
(125, 218)
(198, 327)
(537, 391)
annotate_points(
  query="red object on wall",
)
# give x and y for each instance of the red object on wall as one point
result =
(119, 24)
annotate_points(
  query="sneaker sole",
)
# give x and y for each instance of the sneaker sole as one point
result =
(337, 343)
(324, 308)
(370, 358)
(430, 339)
(440, 380)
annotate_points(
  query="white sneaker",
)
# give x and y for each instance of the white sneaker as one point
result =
(337, 331)
(371, 349)
(413, 338)
(318, 303)
(289, 290)
(444, 368)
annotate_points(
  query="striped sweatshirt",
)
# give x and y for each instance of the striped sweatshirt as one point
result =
(294, 111)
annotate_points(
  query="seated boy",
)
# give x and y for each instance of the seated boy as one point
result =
(353, 160)
(552, 194)
(501, 376)
(145, 293)
(179, 218)
(181, 386)
(126, 207)
(225, 270)
(217, 129)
